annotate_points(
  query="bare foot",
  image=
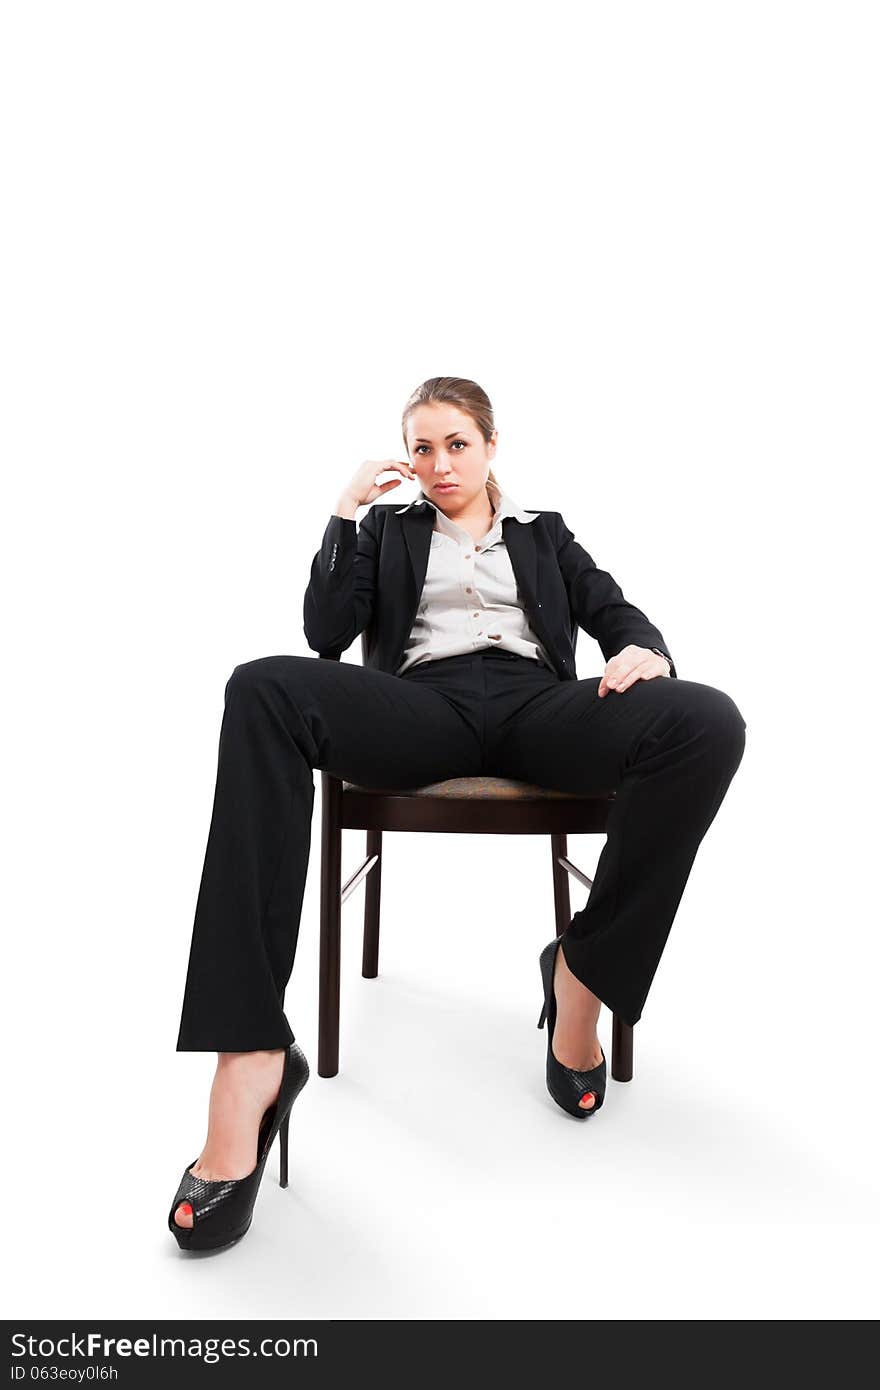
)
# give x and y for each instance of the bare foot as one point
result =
(575, 1041)
(245, 1085)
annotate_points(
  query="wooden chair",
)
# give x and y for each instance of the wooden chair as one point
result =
(463, 806)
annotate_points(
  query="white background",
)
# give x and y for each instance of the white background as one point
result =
(236, 237)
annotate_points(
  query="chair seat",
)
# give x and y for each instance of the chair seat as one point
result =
(473, 789)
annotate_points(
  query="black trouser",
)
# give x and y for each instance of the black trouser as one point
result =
(668, 748)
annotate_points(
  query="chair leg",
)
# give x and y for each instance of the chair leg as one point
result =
(561, 898)
(331, 925)
(373, 892)
(621, 1050)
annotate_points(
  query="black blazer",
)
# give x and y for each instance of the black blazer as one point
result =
(369, 578)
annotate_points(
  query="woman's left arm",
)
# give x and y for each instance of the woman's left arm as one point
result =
(626, 635)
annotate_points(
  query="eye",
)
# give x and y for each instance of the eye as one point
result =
(463, 442)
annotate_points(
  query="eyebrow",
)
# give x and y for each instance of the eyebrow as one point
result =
(447, 436)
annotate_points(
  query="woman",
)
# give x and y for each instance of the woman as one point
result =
(470, 609)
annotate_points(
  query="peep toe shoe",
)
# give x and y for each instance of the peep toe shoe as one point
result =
(223, 1210)
(566, 1086)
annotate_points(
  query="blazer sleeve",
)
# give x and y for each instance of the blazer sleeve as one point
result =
(338, 602)
(597, 601)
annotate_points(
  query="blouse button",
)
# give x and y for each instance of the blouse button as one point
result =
(469, 591)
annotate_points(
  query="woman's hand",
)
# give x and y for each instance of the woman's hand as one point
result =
(631, 665)
(363, 488)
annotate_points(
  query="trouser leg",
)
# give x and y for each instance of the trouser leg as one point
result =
(284, 717)
(669, 749)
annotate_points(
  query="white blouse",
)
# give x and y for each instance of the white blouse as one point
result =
(470, 600)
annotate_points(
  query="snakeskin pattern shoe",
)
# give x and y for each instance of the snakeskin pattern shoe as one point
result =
(566, 1086)
(223, 1210)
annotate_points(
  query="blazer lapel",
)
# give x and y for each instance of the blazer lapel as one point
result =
(417, 527)
(519, 537)
(520, 542)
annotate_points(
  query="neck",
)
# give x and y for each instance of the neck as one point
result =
(477, 519)
(481, 511)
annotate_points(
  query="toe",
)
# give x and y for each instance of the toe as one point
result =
(183, 1215)
(587, 1101)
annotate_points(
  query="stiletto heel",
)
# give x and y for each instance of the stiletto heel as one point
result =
(282, 1145)
(222, 1211)
(566, 1086)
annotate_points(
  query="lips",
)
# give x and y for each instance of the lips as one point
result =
(446, 487)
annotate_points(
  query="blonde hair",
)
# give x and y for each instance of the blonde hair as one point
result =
(455, 390)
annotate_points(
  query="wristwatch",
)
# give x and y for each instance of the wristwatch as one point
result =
(666, 658)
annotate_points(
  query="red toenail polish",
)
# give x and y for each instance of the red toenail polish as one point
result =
(186, 1209)
(587, 1095)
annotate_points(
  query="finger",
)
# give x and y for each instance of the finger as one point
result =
(609, 681)
(616, 679)
(648, 670)
(388, 464)
(635, 673)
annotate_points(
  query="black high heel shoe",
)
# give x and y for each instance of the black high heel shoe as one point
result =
(567, 1087)
(223, 1210)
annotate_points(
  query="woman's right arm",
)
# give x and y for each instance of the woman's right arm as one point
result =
(338, 602)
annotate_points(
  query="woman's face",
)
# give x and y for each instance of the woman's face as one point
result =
(445, 447)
